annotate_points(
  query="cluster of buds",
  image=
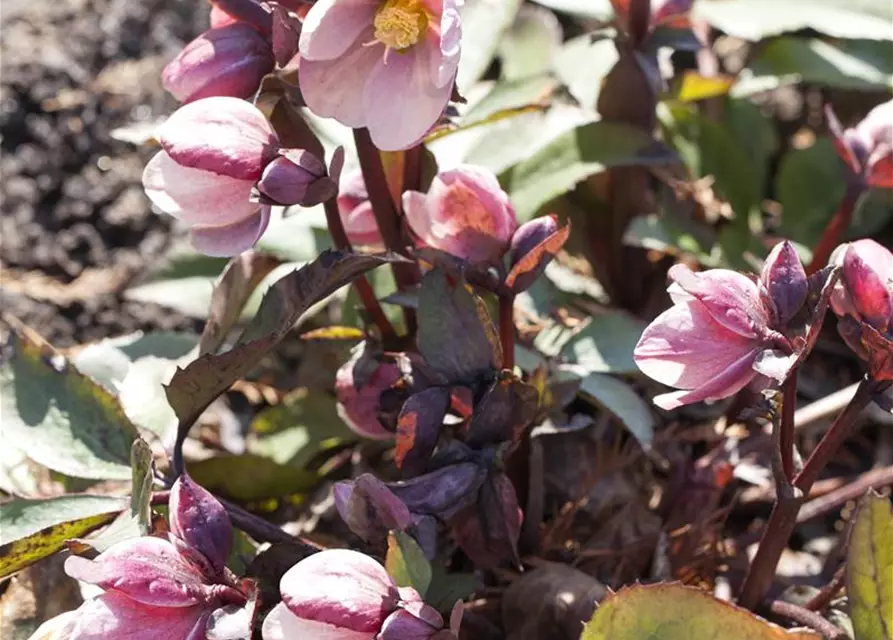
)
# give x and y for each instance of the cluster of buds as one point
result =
(867, 148)
(344, 595)
(222, 168)
(726, 330)
(168, 586)
(863, 302)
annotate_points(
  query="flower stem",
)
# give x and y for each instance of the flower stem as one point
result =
(808, 618)
(386, 215)
(364, 289)
(507, 330)
(786, 437)
(838, 225)
(791, 495)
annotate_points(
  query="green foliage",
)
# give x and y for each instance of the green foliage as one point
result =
(483, 23)
(250, 478)
(406, 563)
(623, 402)
(674, 612)
(869, 569)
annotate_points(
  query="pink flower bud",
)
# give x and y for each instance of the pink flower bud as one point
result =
(867, 148)
(340, 594)
(864, 293)
(226, 61)
(713, 341)
(533, 246)
(198, 519)
(465, 213)
(296, 177)
(359, 384)
(369, 508)
(214, 150)
(783, 282)
(356, 210)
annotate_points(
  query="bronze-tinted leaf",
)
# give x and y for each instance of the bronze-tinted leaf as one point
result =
(529, 266)
(418, 428)
(506, 409)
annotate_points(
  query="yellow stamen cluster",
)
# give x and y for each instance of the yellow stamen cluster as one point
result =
(399, 24)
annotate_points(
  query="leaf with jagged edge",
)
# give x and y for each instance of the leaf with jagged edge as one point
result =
(869, 569)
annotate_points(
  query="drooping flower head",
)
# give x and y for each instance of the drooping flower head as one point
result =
(220, 170)
(465, 213)
(340, 594)
(867, 148)
(161, 587)
(388, 65)
(359, 384)
(725, 330)
(863, 301)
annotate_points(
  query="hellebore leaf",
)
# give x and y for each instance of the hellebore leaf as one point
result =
(239, 279)
(488, 531)
(506, 409)
(530, 44)
(248, 477)
(668, 611)
(418, 428)
(61, 418)
(483, 24)
(605, 344)
(369, 508)
(193, 388)
(455, 330)
(31, 530)
(621, 400)
(574, 156)
(869, 569)
(406, 563)
(442, 492)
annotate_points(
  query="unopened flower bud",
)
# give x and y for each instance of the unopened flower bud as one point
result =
(465, 213)
(369, 508)
(198, 518)
(225, 61)
(784, 283)
(867, 148)
(359, 384)
(296, 177)
(533, 246)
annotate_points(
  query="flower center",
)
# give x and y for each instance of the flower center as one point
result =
(399, 24)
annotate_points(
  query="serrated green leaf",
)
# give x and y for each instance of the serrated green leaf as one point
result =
(406, 562)
(869, 569)
(61, 418)
(674, 612)
(31, 530)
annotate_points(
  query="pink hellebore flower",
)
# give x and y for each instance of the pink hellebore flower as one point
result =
(864, 293)
(722, 332)
(388, 65)
(867, 148)
(225, 61)
(161, 587)
(356, 210)
(465, 213)
(359, 398)
(340, 594)
(221, 169)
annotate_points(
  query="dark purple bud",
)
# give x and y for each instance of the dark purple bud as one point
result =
(488, 531)
(533, 246)
(286, 32)
(296, 177)
(369, 508)
(418, 428)
(784, 282)
(226, 61)
(443, 492)
(200, 521)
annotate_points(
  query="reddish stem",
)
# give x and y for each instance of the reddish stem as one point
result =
(507, 330)
(786, 440)
(361, 284)
(838, 225)
(809, 618)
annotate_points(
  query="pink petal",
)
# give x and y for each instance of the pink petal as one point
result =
(113, 615)
(685, 347)
(399, 124)
(333, 26)
(282, 624)
(731, 298)
(448, 41)
(231, 239)
(148, 570)
(415, 208)
(775, 364)
(729, 382)
(340, 587)
(195, 196)
(334, 88)
(402, 625)
(867, 269)
(220, 134)
(220, 18)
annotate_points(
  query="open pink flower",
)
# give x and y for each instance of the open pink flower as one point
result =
(216, 152)
(867, 148)
(356, 210)
(340, 594)
(465, 213)
(714, 340)
(863, 297)
(161, 587)
(386, 65)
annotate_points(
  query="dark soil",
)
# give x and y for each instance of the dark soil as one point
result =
(72, 72)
